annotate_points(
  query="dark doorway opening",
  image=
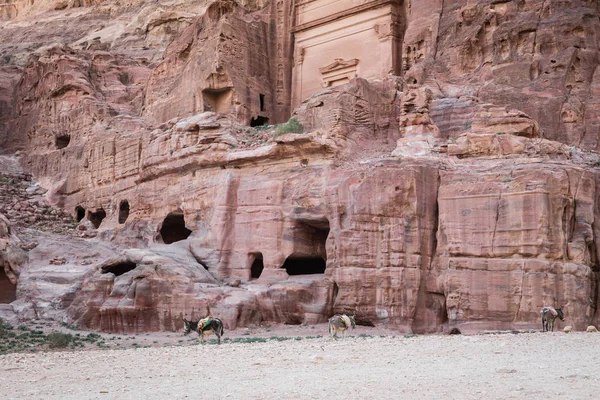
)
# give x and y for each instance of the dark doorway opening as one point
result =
(79, 213)
(8, 290)
(123, 211)
(119, 268)
(259, 121)
(261, 98)
(304, 265)
(173, 228)
(257, 266)
(97, 217)
(309, 255)
(62, 141)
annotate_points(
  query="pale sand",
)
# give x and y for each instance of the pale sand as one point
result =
(507, 366)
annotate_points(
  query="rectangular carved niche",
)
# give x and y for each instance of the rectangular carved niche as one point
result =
(217, 100)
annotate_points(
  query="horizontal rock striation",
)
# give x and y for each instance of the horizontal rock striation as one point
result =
(461, 194)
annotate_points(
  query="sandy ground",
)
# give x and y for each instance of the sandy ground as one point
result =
(505, 366)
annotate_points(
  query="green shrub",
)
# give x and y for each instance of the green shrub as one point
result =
(292, 126)
(59, 340)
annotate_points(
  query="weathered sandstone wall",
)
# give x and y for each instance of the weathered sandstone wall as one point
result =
(461, 193)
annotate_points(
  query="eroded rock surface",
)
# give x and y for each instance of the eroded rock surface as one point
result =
(461, 193)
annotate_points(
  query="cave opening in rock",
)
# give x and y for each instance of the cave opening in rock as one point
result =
(257, 265)
(259, 121)
(62, 141)
(173, 228)
(119, 268)
(261, 98)
(217, 100)
(97, 217)
(79, 213)
(8, 290)
(304, 265)
(309, 255)
(123, 211)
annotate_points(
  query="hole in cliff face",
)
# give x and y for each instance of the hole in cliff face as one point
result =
(257, 266)
(261, 98)
(62, 141)
(173, 228)
(123, 211)
(218, 9)
(97, 217)
(259, 121)
(8, 290)
(304, 265)
(124, 78)
(217, 100)
(79, 213)
(119, 268)
(309, 255)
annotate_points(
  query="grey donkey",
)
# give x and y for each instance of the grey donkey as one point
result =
(340, 323)
(206, 326)
(549, 314)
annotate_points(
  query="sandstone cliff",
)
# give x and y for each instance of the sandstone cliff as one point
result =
(460, 190)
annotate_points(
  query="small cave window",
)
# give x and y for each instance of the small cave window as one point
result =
(261, 98)
(119, 268)
(304, 265)
(79, 213)
(8, 290)
(62, 141)
(123, 211)
(97, 217)
(259, 121)
(257, 266)
(173, 228)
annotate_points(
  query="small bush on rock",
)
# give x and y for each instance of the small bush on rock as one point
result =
(292, 126)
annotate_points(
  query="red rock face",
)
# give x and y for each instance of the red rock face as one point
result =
(462, 194)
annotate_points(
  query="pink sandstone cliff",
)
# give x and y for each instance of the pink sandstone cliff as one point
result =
(446, 175)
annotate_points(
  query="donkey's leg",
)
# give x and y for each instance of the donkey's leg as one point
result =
(543, 324)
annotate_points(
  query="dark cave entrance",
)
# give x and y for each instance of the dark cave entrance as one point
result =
(173, 228)
(62, 141)
(261, 99)
(119, 268)
(309, 255)
(257, 266)
(8, 290)
(123, 211)
(79, 213)
(259, 121)
(97, 217)
(304, 265)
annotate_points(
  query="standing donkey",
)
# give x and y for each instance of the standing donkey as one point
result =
(549, 314)
(340, 323)
(206, 326)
